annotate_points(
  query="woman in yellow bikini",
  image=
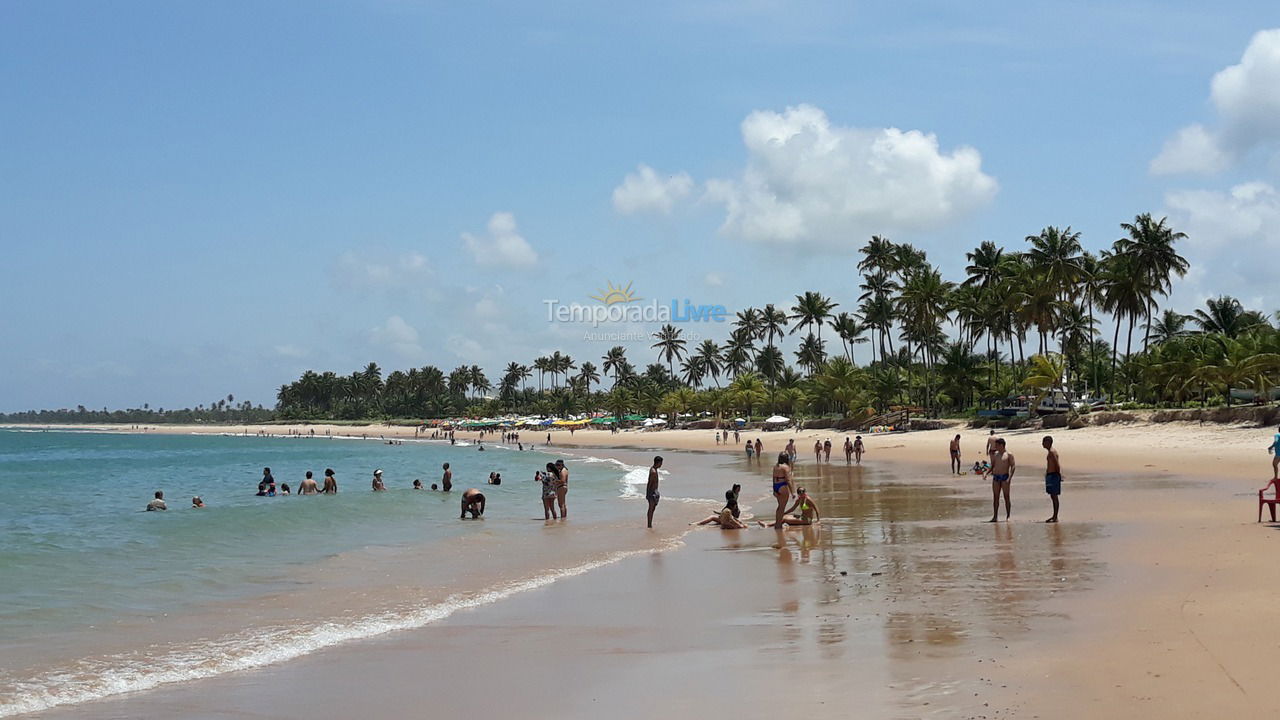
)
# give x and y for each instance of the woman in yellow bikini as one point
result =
(809, 512)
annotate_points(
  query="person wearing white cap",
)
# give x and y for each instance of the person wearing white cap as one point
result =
(377, 481)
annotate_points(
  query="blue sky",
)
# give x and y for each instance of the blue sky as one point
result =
(199, 199)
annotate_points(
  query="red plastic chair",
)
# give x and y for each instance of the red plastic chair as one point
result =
(1271, 504)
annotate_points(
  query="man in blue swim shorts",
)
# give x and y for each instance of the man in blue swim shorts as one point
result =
(1052, 475)
(1002, 469)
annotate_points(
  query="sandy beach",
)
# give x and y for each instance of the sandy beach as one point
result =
(1143, 600)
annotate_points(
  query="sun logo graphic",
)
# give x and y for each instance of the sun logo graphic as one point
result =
(613, 295)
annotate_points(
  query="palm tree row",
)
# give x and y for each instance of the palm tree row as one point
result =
(937, 344)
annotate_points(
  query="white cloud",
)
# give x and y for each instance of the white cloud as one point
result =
(1232, 240)
(644, 191)
(1192, 149)
(1246, 99)
(399, 336)
(503, 245)
(812, 183)
(713, 279)
(363, 271)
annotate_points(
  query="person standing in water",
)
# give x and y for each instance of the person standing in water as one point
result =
(955, 455)
(759, 448)
(858, 449)
(446, 481)
(817, 451)
(157, 503)
(308, 486)
(826, 450)
(378, 485)
(562, 487)
(330, 482)
(1002, 468)
(782, 486)
(1052, 475)
(651, 494)
(848, 450)
(549, 480)
(809, 513)
(472, 502)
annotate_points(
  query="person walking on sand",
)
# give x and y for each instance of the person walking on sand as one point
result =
(826, 450)
(562, 487)
(817, 451)
(308, 486)
(955, 455)
(791, 451)
(751, 450)
(1274, 449)
(651, 494)
(1052, 475)
(1002, 469)
(446, 480)
(781, 487)
(330, 483)
(991, 441)
(848, 450)
(858, 449)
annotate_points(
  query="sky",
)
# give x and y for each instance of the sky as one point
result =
(203, 199)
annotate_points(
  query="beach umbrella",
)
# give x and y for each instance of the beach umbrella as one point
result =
(777, 420)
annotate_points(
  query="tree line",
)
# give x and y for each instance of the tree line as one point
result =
(1021, 321)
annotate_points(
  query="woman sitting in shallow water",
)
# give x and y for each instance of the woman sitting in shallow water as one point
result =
(809, 513)
(727, 518)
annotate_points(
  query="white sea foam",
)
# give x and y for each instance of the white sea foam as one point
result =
(94, 680)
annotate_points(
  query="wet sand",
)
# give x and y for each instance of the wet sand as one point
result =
(1145, 600)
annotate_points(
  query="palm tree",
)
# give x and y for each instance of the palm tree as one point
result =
(878, 255)
(770, 363)
(1057, 260)
(587, 374)
(750, 322)
(811, 309)
(811, 354)
(1125, 294)
(709, 355)
(614, 360)
(670, 345)
(773, 322)
(1170, 325)
(850, 332)
(1150, 243)
(738, 352)
(1226, 316)
(542, 365)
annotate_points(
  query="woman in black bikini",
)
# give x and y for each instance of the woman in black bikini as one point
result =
(782, 486)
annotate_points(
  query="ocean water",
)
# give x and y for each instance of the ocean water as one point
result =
(98, 597)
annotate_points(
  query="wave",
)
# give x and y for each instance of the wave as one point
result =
(115, 675)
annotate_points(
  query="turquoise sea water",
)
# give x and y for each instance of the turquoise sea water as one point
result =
(100, 597)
